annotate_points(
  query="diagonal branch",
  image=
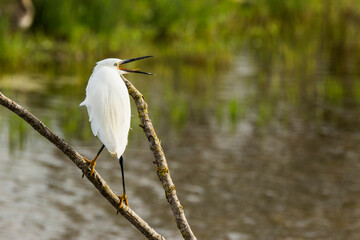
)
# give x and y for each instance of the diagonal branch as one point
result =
(95, 178)
(160, 161)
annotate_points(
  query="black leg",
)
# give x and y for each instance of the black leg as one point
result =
(121, 161)
(123, 198)
(93, 162)
(100, 150)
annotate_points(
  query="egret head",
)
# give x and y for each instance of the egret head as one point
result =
(117, 64)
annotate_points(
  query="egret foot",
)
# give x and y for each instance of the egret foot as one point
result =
(92, 164)
(123, 198)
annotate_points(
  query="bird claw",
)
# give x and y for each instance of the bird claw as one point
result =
(92, 164)
(87, 160)
(123, 198)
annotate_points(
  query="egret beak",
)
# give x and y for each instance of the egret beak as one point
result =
(132, 60)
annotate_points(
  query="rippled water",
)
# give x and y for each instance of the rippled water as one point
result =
(253, 154)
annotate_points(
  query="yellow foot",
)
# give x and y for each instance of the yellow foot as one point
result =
(123, 198)
(92, 164)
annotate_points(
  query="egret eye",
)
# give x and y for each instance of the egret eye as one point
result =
(115, 64)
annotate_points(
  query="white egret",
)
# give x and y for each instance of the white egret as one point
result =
(108, 105)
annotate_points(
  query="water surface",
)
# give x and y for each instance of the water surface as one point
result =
(255, 152)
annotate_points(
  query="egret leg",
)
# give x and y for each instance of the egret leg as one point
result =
(93, 162)
(123, 198)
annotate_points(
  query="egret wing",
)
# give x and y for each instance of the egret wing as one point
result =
(108, 105)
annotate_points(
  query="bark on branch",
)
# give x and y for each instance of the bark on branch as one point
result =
(95, 178)
(160, 160)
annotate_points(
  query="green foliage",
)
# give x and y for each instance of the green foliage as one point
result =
(196, 31)
(93, 29)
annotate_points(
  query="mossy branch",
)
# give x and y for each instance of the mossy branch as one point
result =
(95, 178)
(160, 160)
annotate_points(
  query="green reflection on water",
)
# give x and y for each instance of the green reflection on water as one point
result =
(190, 96)
(18, 132)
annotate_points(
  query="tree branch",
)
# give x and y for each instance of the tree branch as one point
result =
(95, 178)
(160, 160)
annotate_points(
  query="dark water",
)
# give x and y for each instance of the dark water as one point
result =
(255, 153)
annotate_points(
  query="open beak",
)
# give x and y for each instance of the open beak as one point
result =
(132, 60)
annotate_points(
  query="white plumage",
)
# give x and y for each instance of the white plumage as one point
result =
(108, 104)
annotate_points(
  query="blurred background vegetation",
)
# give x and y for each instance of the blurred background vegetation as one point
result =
(198, 32)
